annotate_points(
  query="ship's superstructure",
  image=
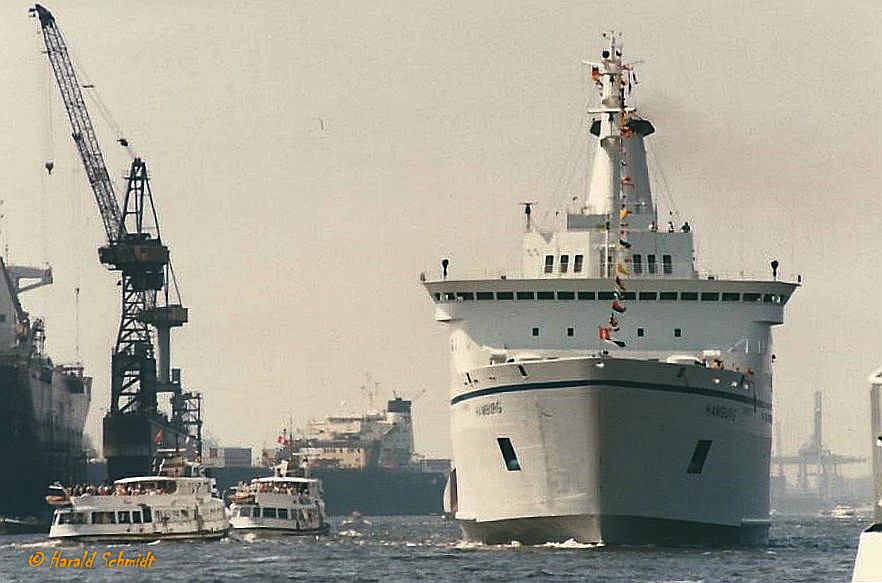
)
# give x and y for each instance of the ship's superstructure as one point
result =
(43, 405)
(610, 393)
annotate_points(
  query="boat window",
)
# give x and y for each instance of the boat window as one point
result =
(689, 296)
(123, 517)
(731, 297)
(710, 296)
(770, 299)
(605, 295)
(545, 295)
(678, 332)
(504, 295)
(637, 261)
(641, 332)
(699, 456)
(269, 512)
(522, 295)
(577, 263)
(535, 331)
(667, 266)
(103, 518)
(564, 263)
(437, 296)
(449, 296)
(549, 263)
(148, 516)
(136, 517)
(465, 296)
(71, 518)
(586, 295)
(283, 513)
(508, 454)
(566, 295)
(628, 295)
(650, 264)
(243, 511)
(647, 296)
(571, 331)
(667, 295)
(751, 297)
(485, 295)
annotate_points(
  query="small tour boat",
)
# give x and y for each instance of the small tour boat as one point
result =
(177, 503)
(284, 504)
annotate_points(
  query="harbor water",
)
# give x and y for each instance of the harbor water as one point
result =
(393, 549)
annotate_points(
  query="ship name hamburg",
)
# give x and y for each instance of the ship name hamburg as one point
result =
(611, 393)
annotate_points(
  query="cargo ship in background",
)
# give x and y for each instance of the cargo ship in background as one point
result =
(43, 407)
(366, 463)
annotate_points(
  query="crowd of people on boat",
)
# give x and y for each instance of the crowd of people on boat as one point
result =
(272, 488)
(134, 489)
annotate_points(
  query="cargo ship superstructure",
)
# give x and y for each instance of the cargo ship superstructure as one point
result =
(367, 463)
(43, 405)
(611, 393)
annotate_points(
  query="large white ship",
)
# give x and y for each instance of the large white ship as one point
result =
(611, 393)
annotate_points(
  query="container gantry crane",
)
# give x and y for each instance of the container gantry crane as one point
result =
(134, 427)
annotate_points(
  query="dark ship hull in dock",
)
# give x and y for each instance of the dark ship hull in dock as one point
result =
(43, 406)
(381, 491)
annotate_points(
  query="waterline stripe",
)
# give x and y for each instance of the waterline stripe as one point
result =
(748, 399)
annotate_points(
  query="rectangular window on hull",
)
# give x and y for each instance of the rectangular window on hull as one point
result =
(586, 295)
(650, 264)
(526, 295)
(667, 266)
(564, 263)
(269, 512)
(637, 262)
(699, 455)
(508, 454)
(577, 263)
(549, 263)
(504, 295)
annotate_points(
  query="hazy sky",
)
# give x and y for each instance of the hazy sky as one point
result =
(298, 248)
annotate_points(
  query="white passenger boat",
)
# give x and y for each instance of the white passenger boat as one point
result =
(284, 504)
(178, 503)
(609, 392)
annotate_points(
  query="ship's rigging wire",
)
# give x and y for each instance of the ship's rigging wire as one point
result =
(666, 192)
(576, 153)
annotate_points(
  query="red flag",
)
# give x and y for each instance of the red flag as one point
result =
(157, 439)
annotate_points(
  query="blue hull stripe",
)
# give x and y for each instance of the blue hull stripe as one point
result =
(747, 399)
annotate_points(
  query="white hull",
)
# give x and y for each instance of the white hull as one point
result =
(605, 453)
(868, 563)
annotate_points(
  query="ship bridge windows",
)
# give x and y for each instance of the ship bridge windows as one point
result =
(504, 295)
(688, 296)
(752, 297)
(465, 296)
(484, 295)
(566, 295)
(710, 296)
(667, 295)
(545, 295)
(605, 295)
(647, 296)
(526, 295)
(731, 296)
(586, 295)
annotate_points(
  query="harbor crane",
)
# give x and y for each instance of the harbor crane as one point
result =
(134, 426)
